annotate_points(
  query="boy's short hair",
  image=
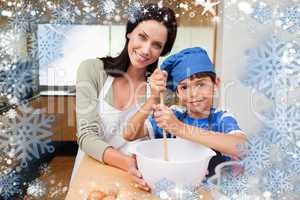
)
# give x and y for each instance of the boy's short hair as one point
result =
(211, 75)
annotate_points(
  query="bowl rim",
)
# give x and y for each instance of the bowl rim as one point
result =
(170, 162)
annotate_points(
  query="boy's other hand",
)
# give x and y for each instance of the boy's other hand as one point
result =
(158, 82)
(165, 118)
(136, 175)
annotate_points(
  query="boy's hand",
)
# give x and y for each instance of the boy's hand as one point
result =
(158, 82)
(165, 118)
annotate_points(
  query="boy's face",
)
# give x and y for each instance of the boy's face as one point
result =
(196, 93)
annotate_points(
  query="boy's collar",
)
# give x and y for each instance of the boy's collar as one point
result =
(212, 110)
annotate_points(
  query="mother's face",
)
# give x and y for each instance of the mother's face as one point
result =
(146, 43)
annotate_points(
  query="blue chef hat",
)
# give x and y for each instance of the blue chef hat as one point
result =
(186, 63)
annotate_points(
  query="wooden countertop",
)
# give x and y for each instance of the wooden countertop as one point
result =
(93, 175)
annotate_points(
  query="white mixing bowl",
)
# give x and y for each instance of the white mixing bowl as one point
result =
(187, 165)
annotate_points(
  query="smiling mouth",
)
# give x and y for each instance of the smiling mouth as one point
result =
(141, 58)
(196, 102)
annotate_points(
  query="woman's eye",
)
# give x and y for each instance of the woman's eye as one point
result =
(158, 46)
(142, 37)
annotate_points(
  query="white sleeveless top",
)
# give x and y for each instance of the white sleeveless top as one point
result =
(113, 121)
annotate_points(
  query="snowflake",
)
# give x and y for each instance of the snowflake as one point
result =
(64, 13)
(13, 101)
(190, 193)
(57, 191)
(9, 185)
(277, 154)
(6, 64)
(265, 64)
(9, 41)
(163, 186)
(29, 135)
(207, 5)
(25, 15)
(88, 13)
(270, 136)
(289, 19)
(233, 184)
(278, 146)
(20, 21)
(257, 156)
(265, 151)
(49, 44)
(11, 114)
(262, 13)
(291, 56)
(282, 123)
(17, 81)
(44, 169)
(292, 161)
(108, 7)
(291, 53)
(180, 192)
(133, 10)
(37, 189)
(277, 181)
(286, 120)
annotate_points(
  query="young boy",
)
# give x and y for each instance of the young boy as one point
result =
(191, 75)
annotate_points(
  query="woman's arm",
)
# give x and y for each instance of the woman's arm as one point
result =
(90, 135)
(225, 143)
(114, 158)
(90, 79)
(117, 159)
(135, 126)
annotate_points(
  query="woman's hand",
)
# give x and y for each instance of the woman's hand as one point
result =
(165, 118)
(136, 175)
(158, 81)
(102, 195)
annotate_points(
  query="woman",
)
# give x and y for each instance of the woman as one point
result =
(110, 90)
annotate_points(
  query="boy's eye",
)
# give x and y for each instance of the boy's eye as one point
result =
(200, 84)
(183, 87)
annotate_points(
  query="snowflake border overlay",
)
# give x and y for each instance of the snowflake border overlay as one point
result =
(28, 135)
